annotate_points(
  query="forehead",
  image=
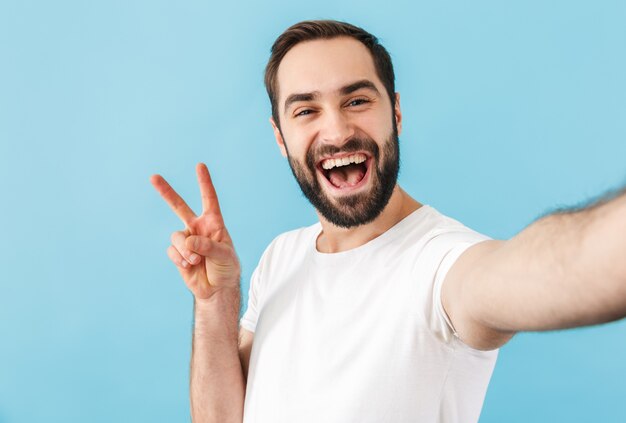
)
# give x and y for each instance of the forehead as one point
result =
(325, 66)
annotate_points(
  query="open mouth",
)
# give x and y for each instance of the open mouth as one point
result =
(346, 171)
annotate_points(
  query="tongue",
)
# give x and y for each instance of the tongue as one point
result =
(346, 176)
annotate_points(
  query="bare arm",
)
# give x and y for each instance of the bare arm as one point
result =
(205, 257)
(217, 385)
(563, 271)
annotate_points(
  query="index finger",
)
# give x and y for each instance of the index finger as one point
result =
(210, 204)
(174, 200)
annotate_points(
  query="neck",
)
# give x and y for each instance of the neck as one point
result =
(334, 239)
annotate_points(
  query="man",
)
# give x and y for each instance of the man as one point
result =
(385, 310)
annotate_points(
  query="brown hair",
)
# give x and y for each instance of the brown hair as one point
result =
(326, 29)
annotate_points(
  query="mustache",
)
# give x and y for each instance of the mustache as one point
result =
(351, 146)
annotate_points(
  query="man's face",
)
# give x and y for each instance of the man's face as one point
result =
(338, 129)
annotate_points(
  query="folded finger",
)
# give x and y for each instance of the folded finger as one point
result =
(176, 258)
(178, 242)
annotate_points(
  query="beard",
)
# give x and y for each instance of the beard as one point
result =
(357, 209)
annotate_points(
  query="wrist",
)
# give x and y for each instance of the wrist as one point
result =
(219, 295)
(219, 313)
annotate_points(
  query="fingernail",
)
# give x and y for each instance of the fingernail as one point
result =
(194, 258)
(184, 263)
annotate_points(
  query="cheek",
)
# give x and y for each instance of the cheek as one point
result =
(375, 126)
(296, 146)
(296, 152)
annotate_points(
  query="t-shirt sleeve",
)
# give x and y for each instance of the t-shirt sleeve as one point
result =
(249, 318)
(447, 249)
(446, 264)
(255, 293)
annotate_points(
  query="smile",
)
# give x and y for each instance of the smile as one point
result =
(345, 172)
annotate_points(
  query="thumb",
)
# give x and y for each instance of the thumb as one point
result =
(216, 251)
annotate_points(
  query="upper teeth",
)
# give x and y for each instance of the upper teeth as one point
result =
(343, 161)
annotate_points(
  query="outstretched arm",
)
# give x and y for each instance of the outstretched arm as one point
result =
(565, 270)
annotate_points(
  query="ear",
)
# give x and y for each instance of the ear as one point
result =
(398, 113)
(279, 137)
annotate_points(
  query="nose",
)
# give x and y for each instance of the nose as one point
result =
(335, 128)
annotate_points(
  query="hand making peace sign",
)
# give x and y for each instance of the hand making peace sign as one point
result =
(203, 251)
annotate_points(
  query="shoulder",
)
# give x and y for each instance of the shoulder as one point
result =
(438, 229)
(291, 243)
(296, 238)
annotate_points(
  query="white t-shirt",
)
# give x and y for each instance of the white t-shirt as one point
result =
(361, 335)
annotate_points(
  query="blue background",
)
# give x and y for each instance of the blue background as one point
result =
(510, 110)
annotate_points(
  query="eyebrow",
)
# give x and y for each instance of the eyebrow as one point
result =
(294, 98)
(348, 89)
(364, 83)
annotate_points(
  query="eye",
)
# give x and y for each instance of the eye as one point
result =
(304, 112)
(358, 102)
